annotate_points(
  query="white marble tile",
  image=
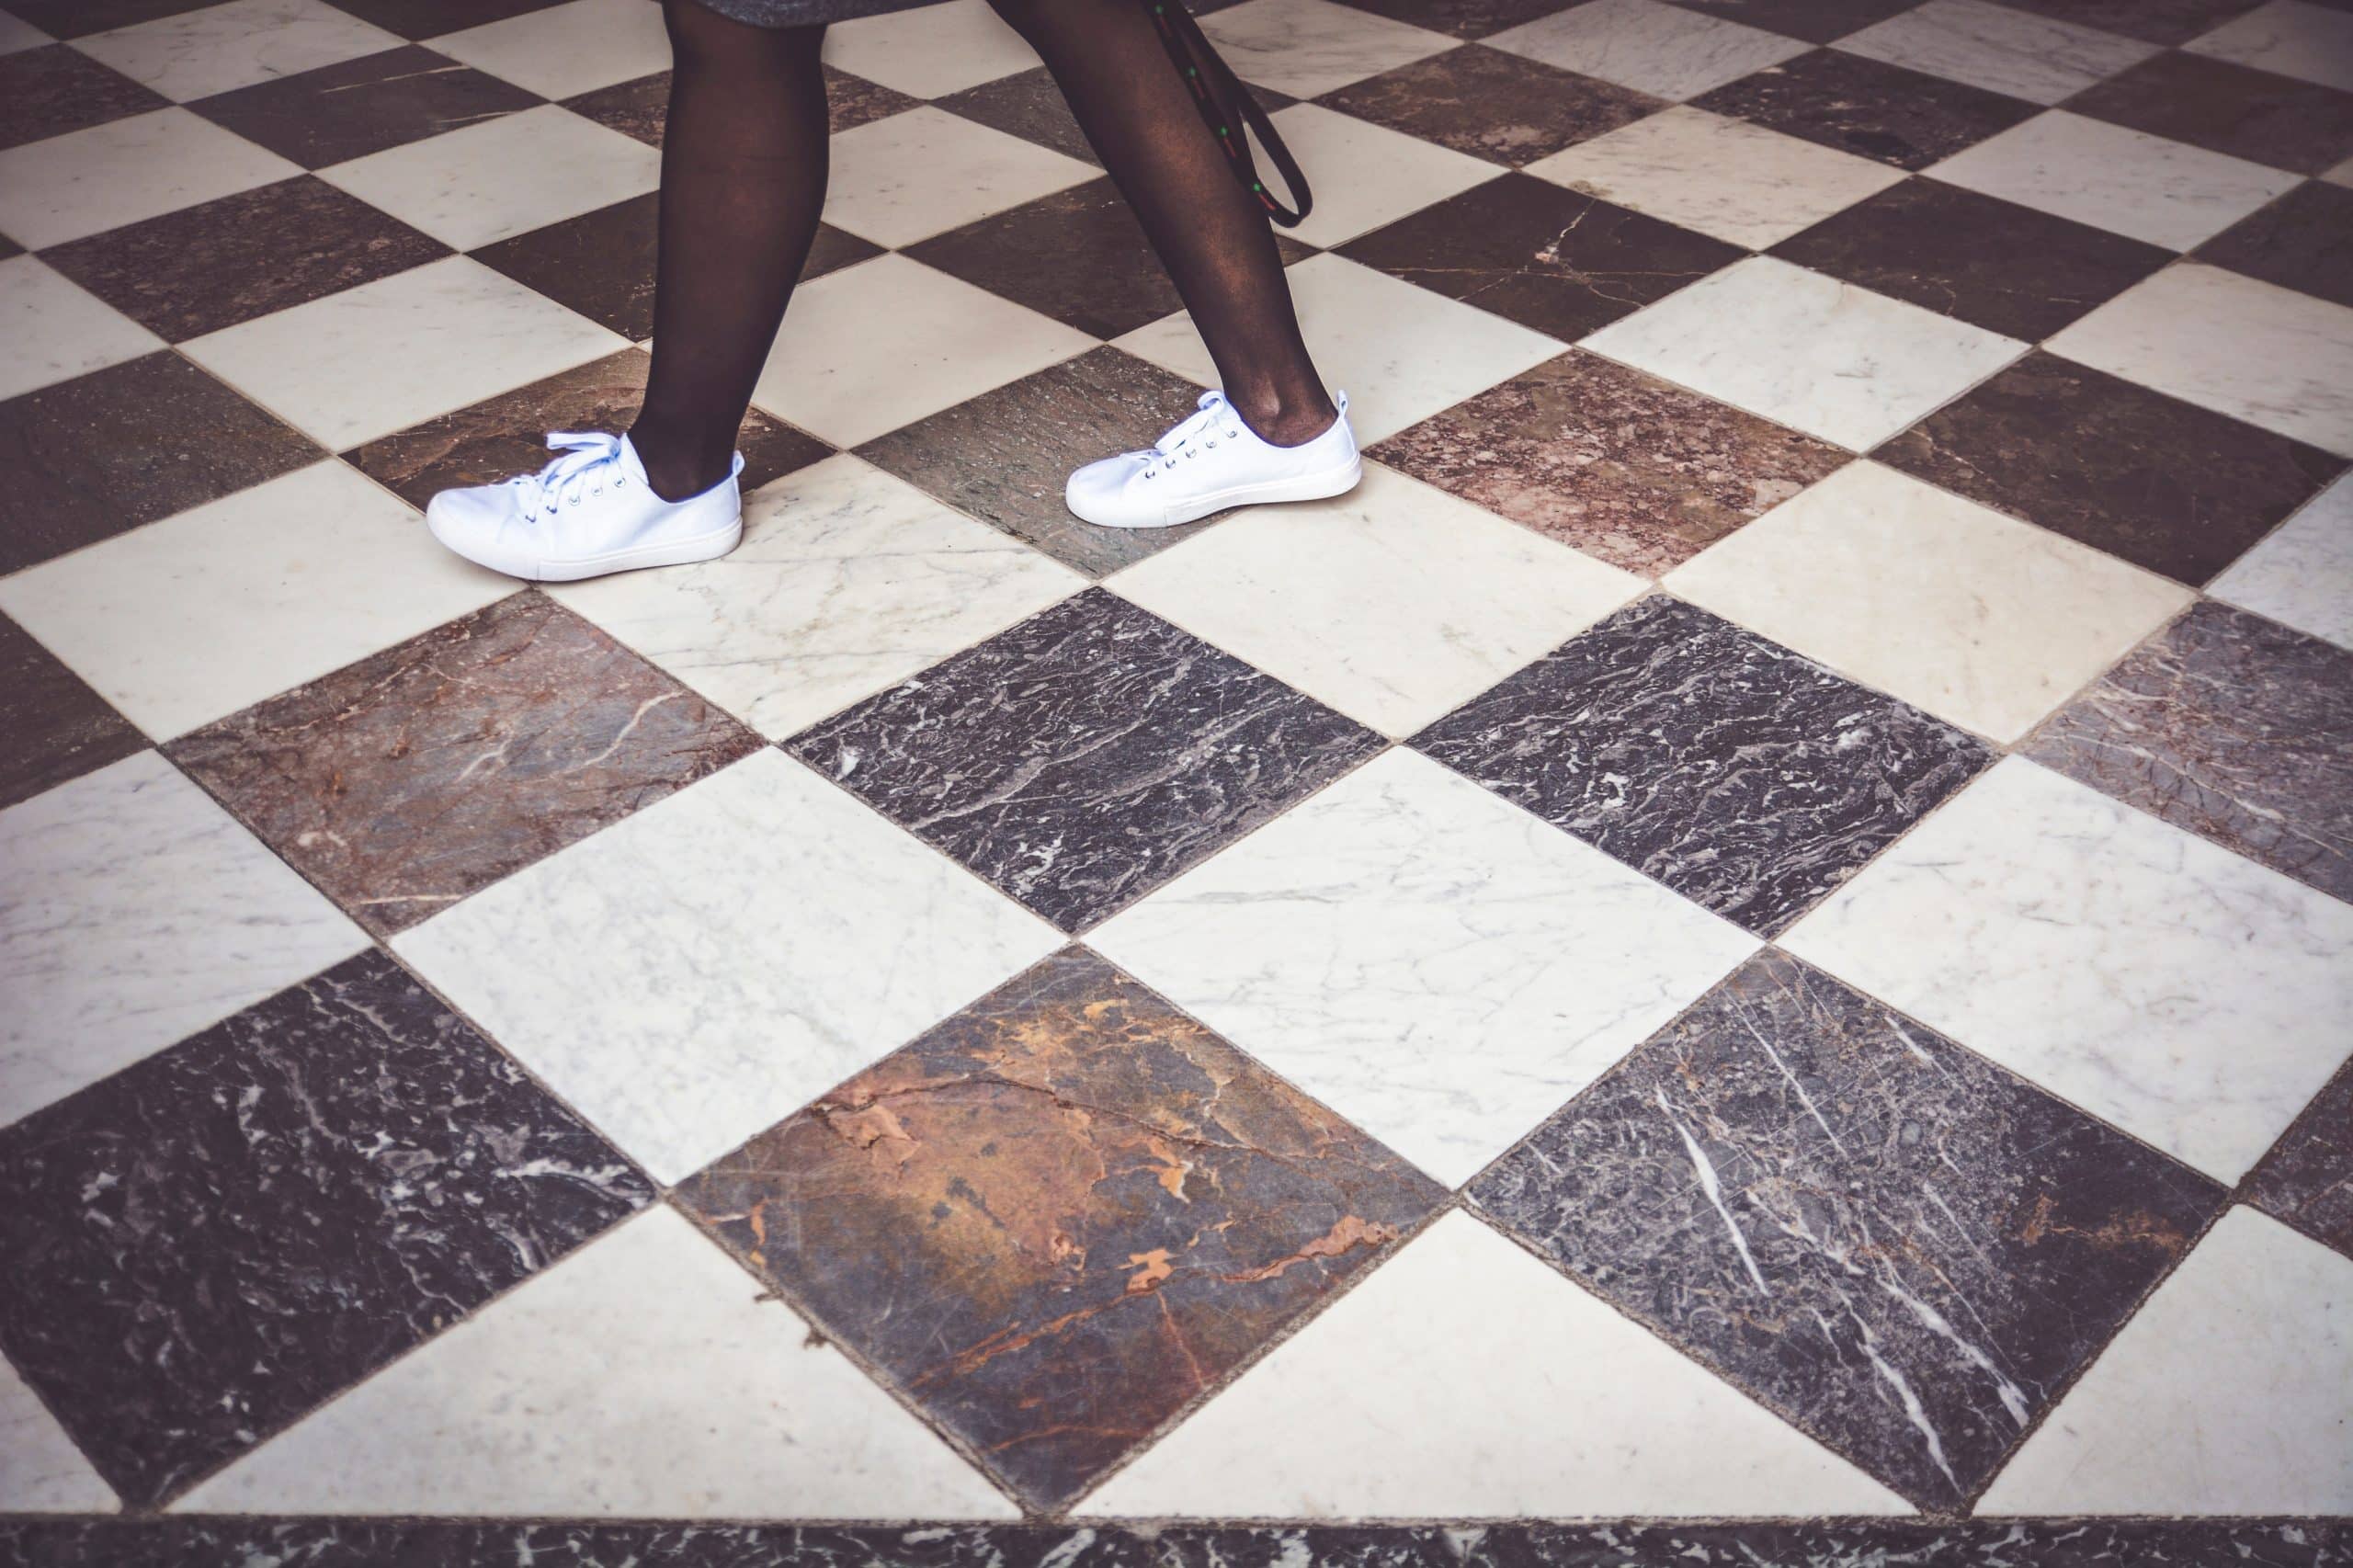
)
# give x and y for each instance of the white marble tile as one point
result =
(645, 1376)
(188, 619)
(16, 33)
(2301, 574)
(387, 355)
(882, 344)
(2341, 175)
(1974, 616)
(1414, 173)
(216, 49)
(1466, 1380)
(2192, 997)
(566, 50)
(1999, 49)
(89, 181)
(2312, 43)
(1649, 46)
(134, 912)
(2269, 356)
(1401, 353)
(503, 176)
(1303, 48)
(2165, 192)
(1393, 604)
(1725, 177)
(930, 51)
(40, 1470)
(697, 972)
(1438, 966)
(2230, 1391)
(907, 176)
(1825, 357)
(55, 330)
(847, 581)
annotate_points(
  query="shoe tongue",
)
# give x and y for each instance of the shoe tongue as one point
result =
(628, 461)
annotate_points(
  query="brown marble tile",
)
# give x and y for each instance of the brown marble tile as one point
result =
(1881, 112)
(2228, 109)
(1461, 18)
(506, 435)
(51, 90)
(1630, 469)
(77, 19)
(430, 18)
(2233, 727)
(2003, 266)
(1096, 1208)
(90, 457)
(426, 772)
(638, 108)
(364, 106)
(1547, 257)
(209, 266)
(2303, 241)
(1026, 104)
(1003, 456)
(57, 728)
(2155, 21)
(1493, 105)
(2307, 1179)
(1816, 21)
(852, 101)
(600, 264)
(2167, 485)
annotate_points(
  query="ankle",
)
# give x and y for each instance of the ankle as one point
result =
(677, 470)
(1281, 424)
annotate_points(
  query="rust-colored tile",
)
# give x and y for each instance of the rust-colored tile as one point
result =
(1094, 1208)
(1493, 105)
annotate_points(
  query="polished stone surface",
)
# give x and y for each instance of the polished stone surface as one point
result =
(2307, 1178)
(1505, 107)
(1871, 109)
(58, 729)
(2228, 109)
(2304, 241)
(349, 111)
(1997, 48)
(54, 90)
(2301, 574)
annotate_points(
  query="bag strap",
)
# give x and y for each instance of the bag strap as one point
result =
(1213, 84)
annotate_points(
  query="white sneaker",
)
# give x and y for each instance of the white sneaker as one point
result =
(1211, 462)
(587, 513)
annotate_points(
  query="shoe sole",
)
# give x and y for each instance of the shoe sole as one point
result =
(535, 569)
(1301, 487)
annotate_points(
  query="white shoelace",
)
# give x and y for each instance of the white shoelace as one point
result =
(587, 453)
(1180, 441)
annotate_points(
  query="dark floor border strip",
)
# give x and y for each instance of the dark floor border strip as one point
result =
(221, 1542)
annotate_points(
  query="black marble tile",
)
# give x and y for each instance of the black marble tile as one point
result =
(1993, 263)
(56, 728)
(430, 18)
(1084, 757)
(52, 90)
(1748, 779)
(1873, 110)
(2152, 21)
(2307, 1178)
(357, 107)
(2228, 107)
(208, 1243)
(1902, 1248)
(1816, 21)
(600, 264)
(1491, 105)
(2304, 241)
(1461, 19)
(77, 19)
(1561, 262)
(1029, 105)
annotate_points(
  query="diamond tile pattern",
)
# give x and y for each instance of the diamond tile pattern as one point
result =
(1758, 925)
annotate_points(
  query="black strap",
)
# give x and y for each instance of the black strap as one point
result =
(1215, 85)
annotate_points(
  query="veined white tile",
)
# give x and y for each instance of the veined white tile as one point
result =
(123, 172)
(1465, 1379)
(2302, 575)
(2312, 43)
(1809, 351)
(188, 619)
(2193, 998)
(134, 912)
(2267, 355)
(1392, 604)
(1648, 46)
(1974, 616)
(1414, 173)
(698, 971)
(2230, 1391)
(2000, 49)
(907, 176)
(566, 50)
(502, 176)
(40, 1470)
(1726, 178)
(1401, 353)
(847, 581)
(882, 344)
(374, 359)
(930, 51)
(56, 331)
(1437, 965)
(1304, 47)
(216, 49)
(644, 1375)
(2165, 192)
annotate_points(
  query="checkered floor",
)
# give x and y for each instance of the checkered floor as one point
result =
(1757, 928)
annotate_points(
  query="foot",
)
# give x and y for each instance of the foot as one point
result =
(1211, 462)
(587, 513)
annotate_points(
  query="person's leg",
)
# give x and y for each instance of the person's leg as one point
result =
(742, 182)
(1211, 234)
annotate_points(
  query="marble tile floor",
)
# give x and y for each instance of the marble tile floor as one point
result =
(1744, 958)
